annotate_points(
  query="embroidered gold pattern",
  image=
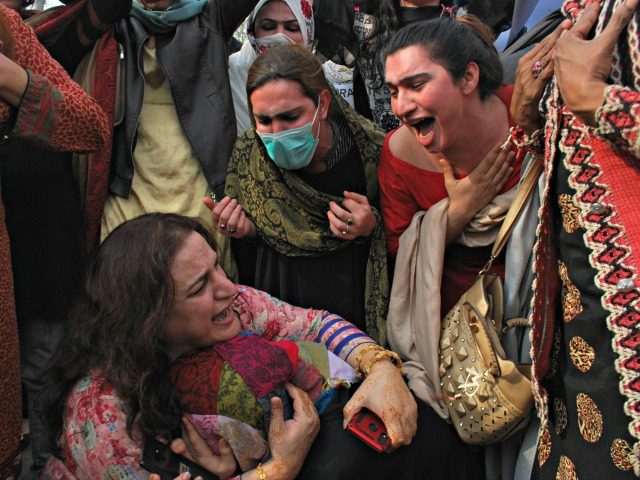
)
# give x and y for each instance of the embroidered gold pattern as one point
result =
(582, 354)
(589, 418)
(570, 213)
(544, 447)
(571, 306)
(622, 454)
(560, 411)
(566, 470)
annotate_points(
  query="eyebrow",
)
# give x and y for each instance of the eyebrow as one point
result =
(409, 79)
(286, 23)
(281, 115)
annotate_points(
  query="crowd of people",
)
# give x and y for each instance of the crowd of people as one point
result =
(204, 245)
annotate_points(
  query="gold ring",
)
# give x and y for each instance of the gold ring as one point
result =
(350, 220)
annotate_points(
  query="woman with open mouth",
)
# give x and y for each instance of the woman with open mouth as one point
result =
(446, 84)
(447, 176)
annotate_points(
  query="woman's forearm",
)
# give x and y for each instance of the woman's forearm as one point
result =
(13, 81)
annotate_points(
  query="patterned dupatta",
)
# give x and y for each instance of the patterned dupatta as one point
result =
(291, 216)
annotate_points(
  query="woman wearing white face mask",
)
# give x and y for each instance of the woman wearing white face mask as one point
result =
(304, 182)
(272, 22)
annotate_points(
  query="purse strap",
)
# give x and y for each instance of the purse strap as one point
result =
(525, 190)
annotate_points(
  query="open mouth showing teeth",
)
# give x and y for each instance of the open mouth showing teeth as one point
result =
(222, 315)
(424, 127)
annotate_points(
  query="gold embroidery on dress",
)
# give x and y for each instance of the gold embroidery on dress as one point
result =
(570, 213)
(566, 470)
(571, 306)
(622, 454)
(582, 354)
(560, 412)
(589, 418)
(544, 447)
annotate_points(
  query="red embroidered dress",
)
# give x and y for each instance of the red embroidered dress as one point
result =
(55, 112)
(586, 340)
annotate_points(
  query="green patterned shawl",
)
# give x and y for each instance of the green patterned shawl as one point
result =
(291, 216)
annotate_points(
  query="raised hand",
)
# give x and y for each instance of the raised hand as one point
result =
(582, 66)
(535, 68)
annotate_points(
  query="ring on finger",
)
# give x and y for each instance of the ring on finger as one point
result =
(223, 226)
(231, 230)
(536, 68)
(350, 220)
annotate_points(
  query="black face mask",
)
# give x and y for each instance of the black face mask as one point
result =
(409, 15)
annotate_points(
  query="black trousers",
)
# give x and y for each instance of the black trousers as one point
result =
(435, 453)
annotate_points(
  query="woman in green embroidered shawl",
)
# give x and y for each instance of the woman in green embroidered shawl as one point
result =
(303, 185)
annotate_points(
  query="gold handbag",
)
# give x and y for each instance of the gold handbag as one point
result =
(488, 396)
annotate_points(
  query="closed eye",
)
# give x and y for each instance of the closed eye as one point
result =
(198, 287)
(263, 120)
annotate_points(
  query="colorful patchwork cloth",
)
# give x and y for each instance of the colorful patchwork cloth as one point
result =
(225, 390)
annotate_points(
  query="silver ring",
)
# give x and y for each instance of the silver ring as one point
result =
(231, 230)
(344, 232)
(223, 226)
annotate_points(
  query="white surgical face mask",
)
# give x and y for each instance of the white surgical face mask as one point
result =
(263, 44)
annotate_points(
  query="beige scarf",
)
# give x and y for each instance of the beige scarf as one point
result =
(413, 322)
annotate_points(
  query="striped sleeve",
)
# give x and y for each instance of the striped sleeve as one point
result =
(276, 320)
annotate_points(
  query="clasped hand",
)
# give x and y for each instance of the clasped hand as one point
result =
(353, 219)
(229, 218)
(289, 441)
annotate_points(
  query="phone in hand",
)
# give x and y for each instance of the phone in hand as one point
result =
(368, 427)
(158, 458)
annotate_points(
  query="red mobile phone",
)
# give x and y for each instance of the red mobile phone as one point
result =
(368, 427)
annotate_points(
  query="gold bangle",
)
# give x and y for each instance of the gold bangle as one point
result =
(260, 472)
(393, 356)
(368, 348)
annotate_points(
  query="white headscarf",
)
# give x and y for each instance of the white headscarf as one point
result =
(301, 9)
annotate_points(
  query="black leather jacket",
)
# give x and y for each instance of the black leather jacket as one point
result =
(194, 61)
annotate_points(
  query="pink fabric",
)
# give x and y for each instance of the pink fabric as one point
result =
(94, 440)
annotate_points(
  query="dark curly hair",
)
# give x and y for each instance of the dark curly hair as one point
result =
(117, 326)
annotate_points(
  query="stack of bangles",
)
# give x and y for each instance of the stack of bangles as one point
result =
(381, 352)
